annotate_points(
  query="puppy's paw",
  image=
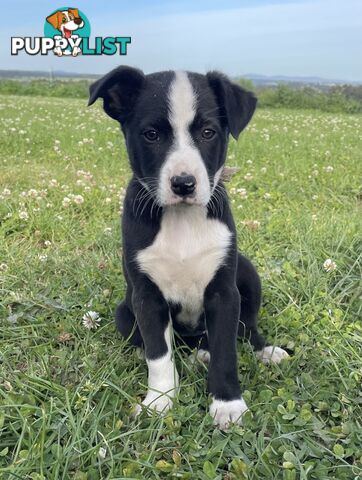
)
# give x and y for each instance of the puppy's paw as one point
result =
(58, 51)
(76, 51)
(201, 355)
(225, 413)
(271, 354)
(154, 402)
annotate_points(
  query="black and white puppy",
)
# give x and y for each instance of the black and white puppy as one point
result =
(180, 257)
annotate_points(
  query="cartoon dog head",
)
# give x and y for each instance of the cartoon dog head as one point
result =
(66, 21)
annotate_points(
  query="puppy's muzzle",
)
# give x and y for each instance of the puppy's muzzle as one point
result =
(183, 185)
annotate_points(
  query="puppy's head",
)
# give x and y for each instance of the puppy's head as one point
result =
(176, 126)
(66, 21)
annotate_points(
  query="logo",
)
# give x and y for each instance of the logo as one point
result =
(67, 34)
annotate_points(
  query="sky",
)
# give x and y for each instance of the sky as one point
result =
(271, 37)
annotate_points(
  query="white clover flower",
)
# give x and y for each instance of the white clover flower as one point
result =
(263, 169)
(6, 192)
(102, 453)
(108, 200)
(251, 224)
(3, 267)
(91, 320)
(53, 183)
(107, 230)
(329, 265)
(23, 214)
(329, 169)
(43, 257)
(242, 192)
(47, 243)
(78, 199)
(66, 202)
(267, 196)
(248, 177)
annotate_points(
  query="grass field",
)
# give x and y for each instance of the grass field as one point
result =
(66, 392)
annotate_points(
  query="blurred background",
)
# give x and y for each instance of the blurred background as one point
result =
(292, 52)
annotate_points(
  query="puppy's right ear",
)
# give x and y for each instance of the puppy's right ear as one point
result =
(119, 90)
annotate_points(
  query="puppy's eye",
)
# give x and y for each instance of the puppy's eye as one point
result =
(64, 19)
(151, 135)
(208, 133)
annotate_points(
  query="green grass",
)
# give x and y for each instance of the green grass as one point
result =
(66, 393)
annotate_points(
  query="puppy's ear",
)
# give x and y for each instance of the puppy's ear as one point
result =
(119, 90)
(74, 11)
(55, 20)
(237, 104)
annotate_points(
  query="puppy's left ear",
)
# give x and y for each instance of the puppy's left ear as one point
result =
(237, 104)
(119, 89)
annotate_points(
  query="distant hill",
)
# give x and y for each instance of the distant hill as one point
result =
(60, 74)
(272, 80)
(257, 79)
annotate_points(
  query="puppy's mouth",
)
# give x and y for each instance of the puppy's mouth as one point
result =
(186, 200)
(67, 32)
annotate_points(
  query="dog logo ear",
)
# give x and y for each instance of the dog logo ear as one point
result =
(74, 11)
(237, 104)
(55, 20)
(119, 89)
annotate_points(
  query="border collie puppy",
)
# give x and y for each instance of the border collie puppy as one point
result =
(180, 258)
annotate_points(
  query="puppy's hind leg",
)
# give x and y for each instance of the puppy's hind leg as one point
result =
(249, 286)
(127, 325)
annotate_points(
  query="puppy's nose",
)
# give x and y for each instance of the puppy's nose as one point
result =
(78, 21)
(183, 184)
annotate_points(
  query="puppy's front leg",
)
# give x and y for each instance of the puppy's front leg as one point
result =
(222, 316)
(153, 318)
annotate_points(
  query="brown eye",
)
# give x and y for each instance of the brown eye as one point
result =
(208, 133)
(151, 135)
(64, 19)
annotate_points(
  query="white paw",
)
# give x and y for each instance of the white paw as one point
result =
(272, 354)
(76, 51)
(58, 51)
(154, 402)
(202, 356)
(225, 413)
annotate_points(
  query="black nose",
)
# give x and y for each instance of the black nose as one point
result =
(183, 184)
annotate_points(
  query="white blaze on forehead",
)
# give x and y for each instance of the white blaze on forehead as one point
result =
(184, 156)
(182, 103)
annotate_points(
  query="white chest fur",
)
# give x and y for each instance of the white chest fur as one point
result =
(184, 257)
